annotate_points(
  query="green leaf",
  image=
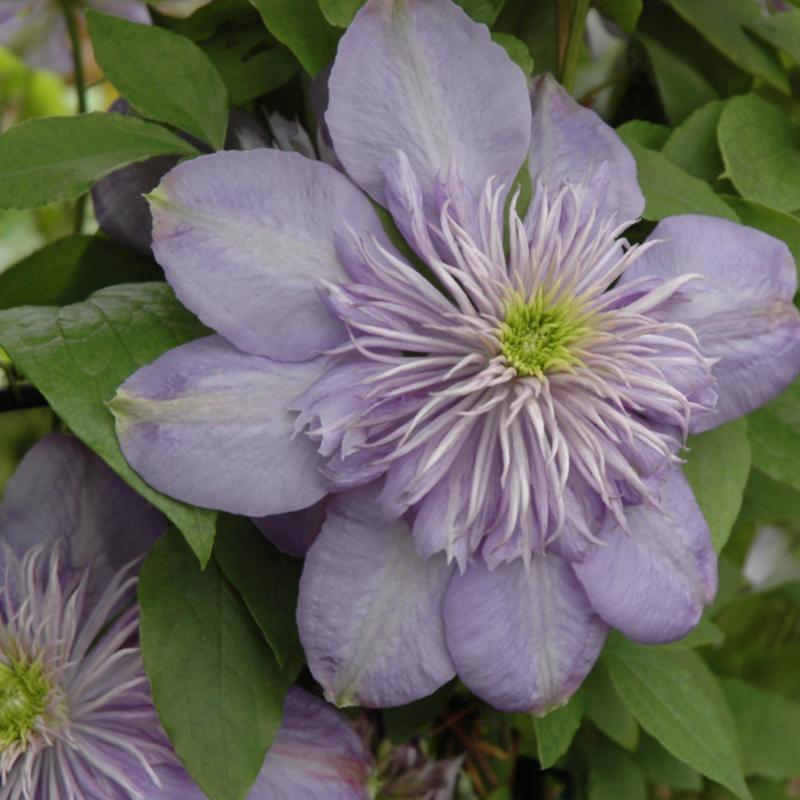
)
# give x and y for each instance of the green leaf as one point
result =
(668, 190)
(70, 269)
(693, 144)
(613, 774)
(775, 437)
(248, 64)
(719, 489)
(555, 731)
(301, 26)
(340, 12)
(766, 500)
(57, 158)
(662, 768)
(721, 23)
(78, 355)
(606, 711)
(760, 150)
(534, 24)
(678, 701)
(216, 686)
(648, 134)
(624, 12)
(781, 30)
(681, 88)
(402, 722)
(164, 76)
(517, 51)
(485, 11)
(769, 727)
(705, 632)
(775, 223)
(266, 579)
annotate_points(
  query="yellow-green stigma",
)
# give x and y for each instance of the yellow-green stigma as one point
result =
(537, 336)
(24, 694)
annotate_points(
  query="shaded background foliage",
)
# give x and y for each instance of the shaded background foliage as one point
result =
(707, 97)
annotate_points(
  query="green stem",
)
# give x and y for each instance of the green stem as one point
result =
(80, 88)
(574, 43)
(563, 11)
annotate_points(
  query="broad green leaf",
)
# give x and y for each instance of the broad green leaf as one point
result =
(761, 151)
(340, 12)
(57, 158)
(668, 190)
(781, 30)
(164, 76)
(766, 500)
(648, 134)
(248, 64)
(485, 11)
(717, 466)
(534, 24)
(679, 702)
(517, 51)
(769, 727)
(605, 709)
(216, 686)
(78, 355)
(774, 431)
(721, 23)
(705, 632)
(624, 12)
(266, 579)
(206, 20)
(681, 88)
(662, 768)
(613, 774)
(555, 731)
(775, 223)
(301, 26)
(70, 269)
(402, 722)
(693, 144)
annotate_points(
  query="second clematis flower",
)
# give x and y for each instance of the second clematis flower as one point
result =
(501, 422)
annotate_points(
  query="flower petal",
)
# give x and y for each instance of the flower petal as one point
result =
(653, 583)
(568, 141)
(741, 311)
(294, 532)
(316, 756)
(422, 77)
(246, 238)
(63, 491)
(370, 609)
(210, 425)
(522, 638)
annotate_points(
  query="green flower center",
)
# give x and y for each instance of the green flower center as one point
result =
(24, 694)
(537, 336)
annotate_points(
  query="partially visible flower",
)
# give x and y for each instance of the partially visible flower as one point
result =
(179, 8)
(773, 558)
(77, 720)
(36, 29)
(119, 203)
(503, 432)
(317, 755)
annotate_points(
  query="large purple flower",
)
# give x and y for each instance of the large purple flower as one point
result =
(76, 718)
(37, 31)
(502, 426)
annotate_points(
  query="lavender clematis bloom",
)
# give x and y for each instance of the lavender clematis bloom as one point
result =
(77, 721)
(504, 440)
(318, 755)
(37, 32)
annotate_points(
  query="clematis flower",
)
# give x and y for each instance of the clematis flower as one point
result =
(317, 755)
(76, 718)
(37, 31)
(500, 419)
